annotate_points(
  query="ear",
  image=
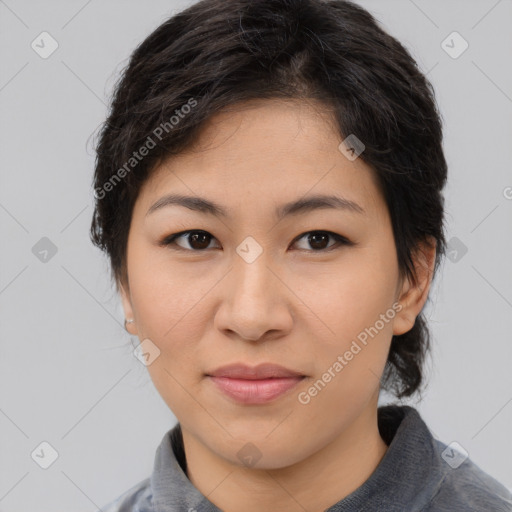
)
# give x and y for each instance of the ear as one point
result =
(128, 310)
(413, 296)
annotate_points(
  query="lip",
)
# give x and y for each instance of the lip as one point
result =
(255, 385)
(261, 371)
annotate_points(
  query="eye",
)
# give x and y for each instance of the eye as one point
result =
(318, 239)
(199, 240)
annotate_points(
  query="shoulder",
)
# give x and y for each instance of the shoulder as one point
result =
(138, 498)
(466, 487)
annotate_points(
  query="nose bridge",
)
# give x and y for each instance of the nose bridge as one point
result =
(251, 274)
(252, 304)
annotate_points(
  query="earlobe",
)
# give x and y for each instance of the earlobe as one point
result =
(129, 322)
(414, 295)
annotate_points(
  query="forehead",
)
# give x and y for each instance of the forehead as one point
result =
(266, 151)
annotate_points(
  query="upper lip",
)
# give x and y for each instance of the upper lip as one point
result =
(262, 371)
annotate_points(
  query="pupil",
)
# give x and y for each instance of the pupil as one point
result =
(194, 237)
(313, 237)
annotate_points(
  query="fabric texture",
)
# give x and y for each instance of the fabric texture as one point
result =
(418, 473)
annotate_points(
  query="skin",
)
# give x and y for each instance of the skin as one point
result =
(295, 305)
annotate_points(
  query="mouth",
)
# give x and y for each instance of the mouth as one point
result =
(255, 391)
(254, 385)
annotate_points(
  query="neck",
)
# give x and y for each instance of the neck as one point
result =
(314, 483)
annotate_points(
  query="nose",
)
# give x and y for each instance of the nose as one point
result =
(255, 303)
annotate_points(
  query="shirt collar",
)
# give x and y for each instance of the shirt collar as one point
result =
(411, 470)
(411, 458)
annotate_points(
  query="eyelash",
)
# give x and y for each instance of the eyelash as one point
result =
(341, 240)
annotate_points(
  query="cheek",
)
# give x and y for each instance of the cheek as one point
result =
(351, 297)
(355, 303)
(349, 363)
(166, 296)
(170, 311)
(343, 303)
(171, 314)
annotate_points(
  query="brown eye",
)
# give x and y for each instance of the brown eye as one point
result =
(318, 240)
(197, 240)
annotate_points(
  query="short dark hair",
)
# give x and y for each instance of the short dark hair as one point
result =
(217, 53)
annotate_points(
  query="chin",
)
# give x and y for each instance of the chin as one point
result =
(262, 454)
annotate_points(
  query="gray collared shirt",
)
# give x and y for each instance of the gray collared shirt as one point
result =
(417, 473)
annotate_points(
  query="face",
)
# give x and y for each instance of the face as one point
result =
(314, 288)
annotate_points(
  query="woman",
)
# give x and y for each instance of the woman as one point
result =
(269, 192)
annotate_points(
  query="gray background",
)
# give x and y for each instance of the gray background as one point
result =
(67, 373)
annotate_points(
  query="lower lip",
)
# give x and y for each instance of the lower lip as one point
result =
(255, 391)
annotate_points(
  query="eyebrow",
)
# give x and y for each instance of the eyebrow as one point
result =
(300, 206)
